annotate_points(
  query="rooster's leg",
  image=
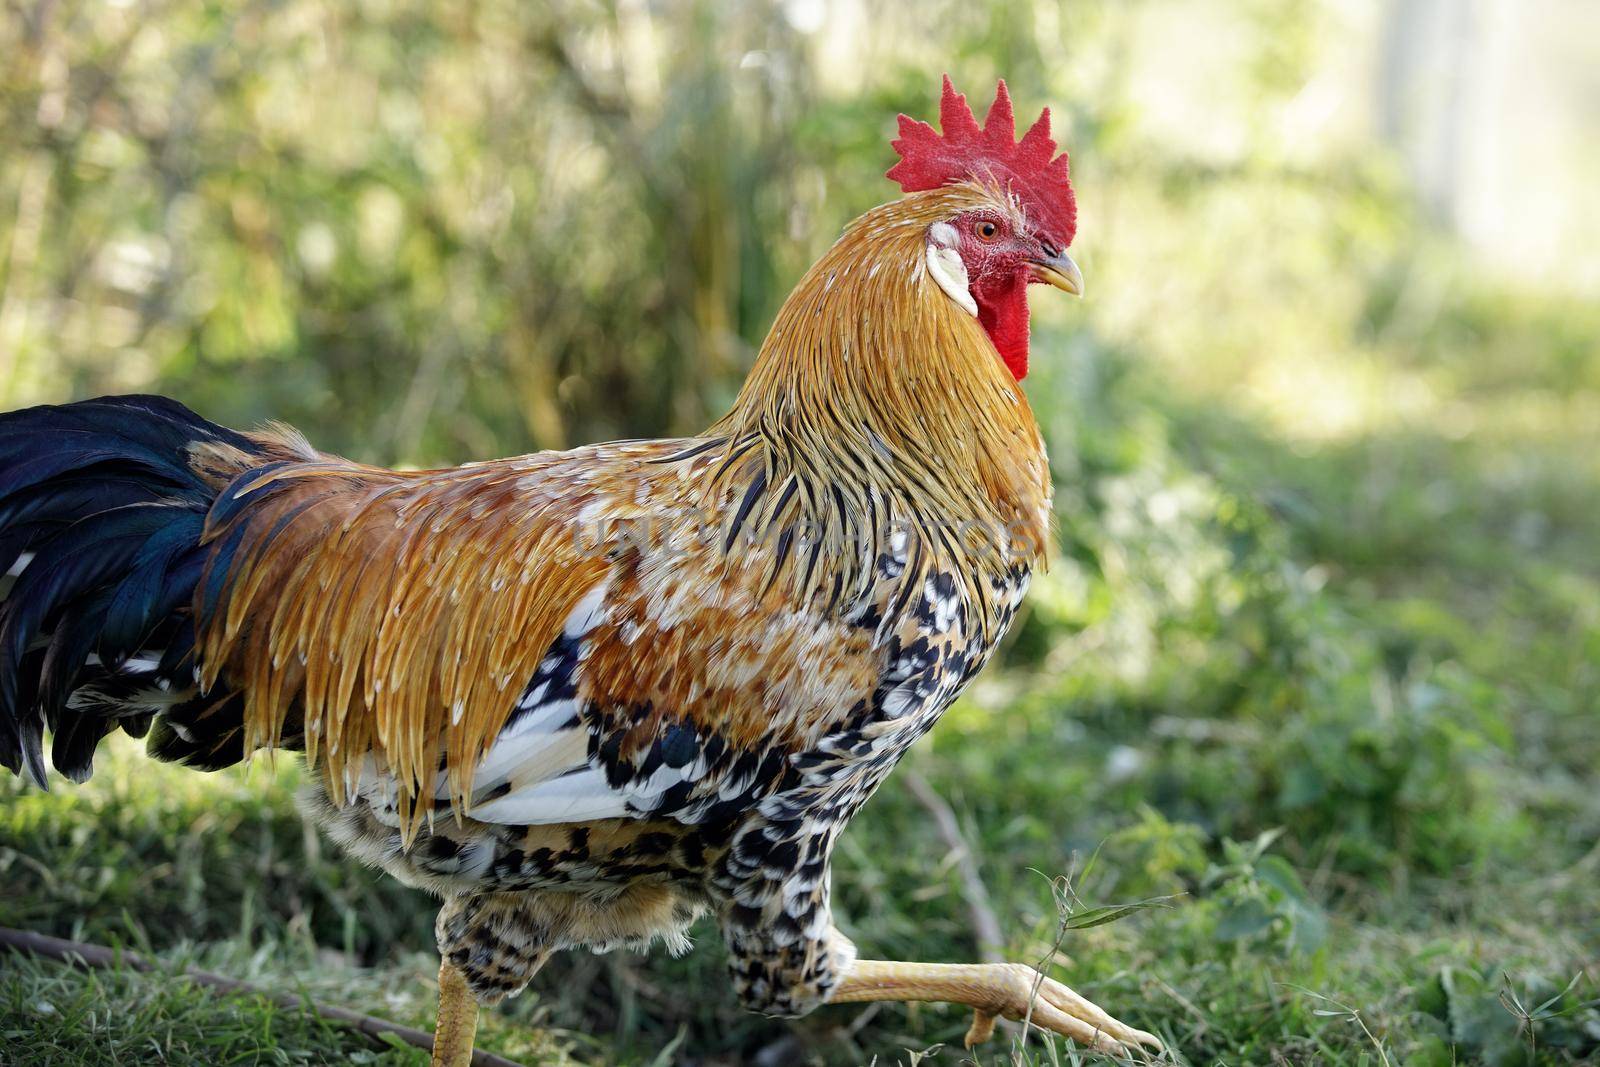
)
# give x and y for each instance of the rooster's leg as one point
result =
(991, 990)
(458, 1019)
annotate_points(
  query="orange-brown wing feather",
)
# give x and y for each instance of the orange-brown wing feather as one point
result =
(398, 614)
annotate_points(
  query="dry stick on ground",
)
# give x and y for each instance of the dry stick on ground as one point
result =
(991, 941)
(985, 927)
(99, 957)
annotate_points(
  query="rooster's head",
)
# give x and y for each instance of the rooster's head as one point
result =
(1015, 227)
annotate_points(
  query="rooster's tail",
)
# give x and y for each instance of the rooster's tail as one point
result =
(102, 514)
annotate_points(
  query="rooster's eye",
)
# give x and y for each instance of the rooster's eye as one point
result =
(987, 231)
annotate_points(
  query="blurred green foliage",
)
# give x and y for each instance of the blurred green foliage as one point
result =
(1319, 653)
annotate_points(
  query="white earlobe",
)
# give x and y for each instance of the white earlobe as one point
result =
(947, 269)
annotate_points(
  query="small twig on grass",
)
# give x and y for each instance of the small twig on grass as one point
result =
(985, 927)
(1340, 1010)
(1185, 1003)
(1528, 1020)
(98, 957)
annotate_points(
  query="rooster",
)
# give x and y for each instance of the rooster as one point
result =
(587, 696)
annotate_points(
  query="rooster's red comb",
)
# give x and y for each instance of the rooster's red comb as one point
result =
(1032, 171)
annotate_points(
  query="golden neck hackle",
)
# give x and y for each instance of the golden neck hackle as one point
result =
(877, 393)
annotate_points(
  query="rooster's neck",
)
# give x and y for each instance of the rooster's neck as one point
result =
(875, 382)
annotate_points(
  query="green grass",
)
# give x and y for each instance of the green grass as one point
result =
(56, 1016)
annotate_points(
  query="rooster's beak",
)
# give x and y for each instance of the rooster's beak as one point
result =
(1059, 270)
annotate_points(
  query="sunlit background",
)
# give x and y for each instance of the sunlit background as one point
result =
(1325, 430)
(432, 232)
